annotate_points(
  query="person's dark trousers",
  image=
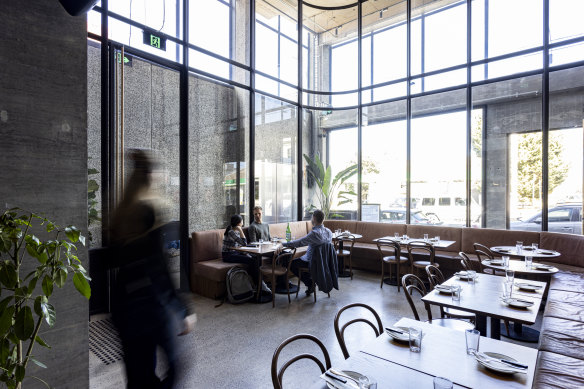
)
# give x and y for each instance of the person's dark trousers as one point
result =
(235, 257)
(295, 267)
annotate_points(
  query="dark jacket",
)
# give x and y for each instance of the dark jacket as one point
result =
(324, 269)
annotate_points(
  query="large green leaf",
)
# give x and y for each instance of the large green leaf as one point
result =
(82, 285)
(326, 185)
(6, 320)
(92, 171)
(19, 373)
(61, 277)
(38, 363)
(8, 275)
(4, 350)
(41, 342)
(49, 313)
(72, 233)
(38, 302)
(47, 286)
(24, 324)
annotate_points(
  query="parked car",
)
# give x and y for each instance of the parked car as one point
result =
(398, 216)
(565, 218)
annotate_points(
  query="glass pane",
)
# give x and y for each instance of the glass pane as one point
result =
(94, 22)
(476, 167)
(438, 162)
(276, 134)
(511, 147)
(218, 154)
(384, 142)
(566, 54)
(331, 137)
(445, 37)
(566, 145)
(506, 67)
(94, 202)
(165, 16)
(566, 19)
(438, 81)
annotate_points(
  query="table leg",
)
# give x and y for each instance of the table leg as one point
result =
(481, 324)
(495, 328)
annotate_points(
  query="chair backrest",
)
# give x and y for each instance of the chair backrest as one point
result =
(340, 331)
(277, 374)
(435, 276)
(286, 255)
(388, 244)
(420, 246)
(467, 263)
(412, 283)
(483, 252)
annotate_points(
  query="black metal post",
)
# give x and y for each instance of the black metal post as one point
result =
(545, 111)
(251, 164)
(468, 112)
(300, 116)
(408, 112)
(359, 111)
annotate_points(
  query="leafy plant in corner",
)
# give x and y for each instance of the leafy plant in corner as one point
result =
(23, 306)
(92, 213)
(328, 185)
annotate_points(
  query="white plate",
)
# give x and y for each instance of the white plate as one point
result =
(541, 266)
(402, 338)
(464, 276)
(529, 287)
(340, 385)
(443, 289)
(518, 303)
(502, 249)
(496, 366)
(495, 262)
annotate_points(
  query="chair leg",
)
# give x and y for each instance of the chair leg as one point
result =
(507, 326)
(397, 279)
(350, 266)
(273, 290)
(298, 288)
(314, 288)
(381, 283)
(288, 287)
(259, 286)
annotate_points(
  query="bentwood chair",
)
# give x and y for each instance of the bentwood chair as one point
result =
(277, 374)
(421, 254)
(484, 253)
(340, 331)
(345, 253)
(279, 266)
(307, 270)
(435, 277)
(469, 264)
(411, 284)
(392, 260)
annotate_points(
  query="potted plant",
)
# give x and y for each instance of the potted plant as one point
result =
(327, 185)
(24, 298)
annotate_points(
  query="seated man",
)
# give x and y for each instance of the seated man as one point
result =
(318, 236)
(258, 230)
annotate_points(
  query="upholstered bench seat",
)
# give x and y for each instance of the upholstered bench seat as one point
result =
(558, 371)
(562, 336)
(215, 269)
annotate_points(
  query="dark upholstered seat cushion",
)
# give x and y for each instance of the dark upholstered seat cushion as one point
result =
(214, 269)
(562, 336)
(558, 371)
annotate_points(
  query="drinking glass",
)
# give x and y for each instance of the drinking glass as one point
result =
(528, 262)
(472, 341)
(437, 238)
(455, 292)
(261, 241)
(442, 383)
(509, 275)
(396, 235)
(425, 237)
(507, 290)
(415, 339)
(405, 237)
(471, 276)
(535, 246)
(367, 382)
(519, 247)
(505, 259)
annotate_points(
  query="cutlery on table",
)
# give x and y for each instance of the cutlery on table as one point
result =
(339, 374)
(396, 331)
(487, 358)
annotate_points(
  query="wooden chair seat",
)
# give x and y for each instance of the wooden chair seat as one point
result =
(278, 270)
(279, 266)
(423, 264)
(393, 260)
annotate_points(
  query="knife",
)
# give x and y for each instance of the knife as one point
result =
(396, 331)
(334, 377)
(515, 364)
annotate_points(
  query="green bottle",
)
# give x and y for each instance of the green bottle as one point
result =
(288, 233)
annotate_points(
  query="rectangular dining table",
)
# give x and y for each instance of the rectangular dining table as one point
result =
(443, 354)
(483, 299)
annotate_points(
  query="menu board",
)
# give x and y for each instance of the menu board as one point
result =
(370, 212)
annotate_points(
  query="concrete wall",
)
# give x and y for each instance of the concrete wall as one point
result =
(43, 155)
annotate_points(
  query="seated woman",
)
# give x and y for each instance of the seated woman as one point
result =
(234, 237)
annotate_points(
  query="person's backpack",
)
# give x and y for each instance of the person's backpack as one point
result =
(240, 286)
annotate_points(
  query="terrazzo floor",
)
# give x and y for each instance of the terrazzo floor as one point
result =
(232, 345)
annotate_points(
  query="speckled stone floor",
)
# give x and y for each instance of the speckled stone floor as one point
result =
(232, 345)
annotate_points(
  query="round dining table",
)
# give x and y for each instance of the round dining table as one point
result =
(526, 251)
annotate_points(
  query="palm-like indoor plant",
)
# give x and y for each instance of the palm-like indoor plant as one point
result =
(329, 185)
(24, 301)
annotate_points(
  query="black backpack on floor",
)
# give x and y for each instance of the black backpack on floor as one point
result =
(240, 286)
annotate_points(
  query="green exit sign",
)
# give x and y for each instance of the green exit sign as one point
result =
(151, 38)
